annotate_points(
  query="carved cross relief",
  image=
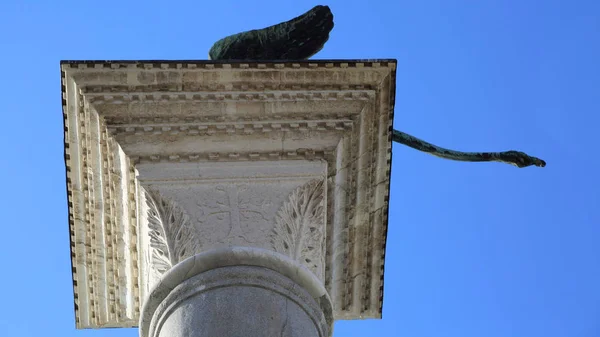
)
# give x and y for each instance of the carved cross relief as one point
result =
(284, 215)
(236, 213)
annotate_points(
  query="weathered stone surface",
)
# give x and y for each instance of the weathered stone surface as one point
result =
(232, 301)
(233, 291)
(277, 205)
(168, 160)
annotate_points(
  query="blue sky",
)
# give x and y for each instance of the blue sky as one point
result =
(474, 249)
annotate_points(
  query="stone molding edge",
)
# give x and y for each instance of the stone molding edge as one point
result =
(84, 132)
(210, 64)
(306, 154)
(228, 257)
(236, 276)
(100, 95)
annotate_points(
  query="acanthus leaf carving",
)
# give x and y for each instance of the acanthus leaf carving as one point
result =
(299, 226)
(171, 236)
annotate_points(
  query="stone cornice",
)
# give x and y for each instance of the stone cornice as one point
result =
(115, 112)
(212, 64)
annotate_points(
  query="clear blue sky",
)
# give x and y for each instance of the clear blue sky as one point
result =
(474, 249)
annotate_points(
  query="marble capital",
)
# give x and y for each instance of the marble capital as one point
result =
(285, 164)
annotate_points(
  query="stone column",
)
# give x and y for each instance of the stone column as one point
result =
(237, 292)
(227, 199)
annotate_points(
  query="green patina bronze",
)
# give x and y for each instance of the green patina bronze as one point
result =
(516, 158)
(304, 36)
(297, 39)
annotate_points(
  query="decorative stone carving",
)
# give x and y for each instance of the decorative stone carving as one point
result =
(235, 213)
(238, 204)
(171, 237)
(299, 226)
(230, 149)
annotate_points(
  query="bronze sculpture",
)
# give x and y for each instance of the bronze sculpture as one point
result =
(296, 39)
(304, 36)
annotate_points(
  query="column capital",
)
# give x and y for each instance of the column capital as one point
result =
(167, 160)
